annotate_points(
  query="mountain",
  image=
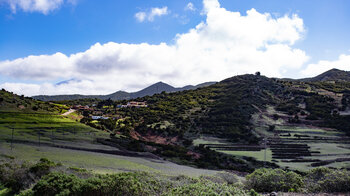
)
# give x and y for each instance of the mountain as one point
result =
(330, 75)
(121, 95)
(154, 89)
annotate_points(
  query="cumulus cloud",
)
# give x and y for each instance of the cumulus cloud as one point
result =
(142, 16)
(43, 6)
(225, 44)
(343, 63)
(190, 7)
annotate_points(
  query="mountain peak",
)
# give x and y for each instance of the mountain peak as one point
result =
(330, 75)
(160, 83)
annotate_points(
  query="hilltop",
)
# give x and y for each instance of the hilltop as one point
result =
(330, 75)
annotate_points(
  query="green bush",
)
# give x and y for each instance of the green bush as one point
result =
(42, 167)
(327, 180)
(268, 180)
(122, 184)
(57, 183)
(15, 176)
(207, 188)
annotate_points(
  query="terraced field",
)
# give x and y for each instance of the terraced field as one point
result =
(293, 147)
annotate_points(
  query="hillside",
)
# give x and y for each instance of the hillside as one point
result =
(240, 123)
(223, 109)
(11, 102)
(330, 75)
(236, 117)
(122, 95)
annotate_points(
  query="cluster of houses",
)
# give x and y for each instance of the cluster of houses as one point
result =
(81, 107)
(99, 117)
(135, 104)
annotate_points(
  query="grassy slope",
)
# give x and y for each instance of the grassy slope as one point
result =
(57, 129)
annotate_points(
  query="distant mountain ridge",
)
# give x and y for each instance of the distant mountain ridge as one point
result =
(120, 95)
(330, 75)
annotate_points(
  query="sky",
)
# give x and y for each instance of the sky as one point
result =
(98, 47)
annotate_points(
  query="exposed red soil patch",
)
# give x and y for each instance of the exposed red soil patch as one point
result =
(151, 137)
(194, 154)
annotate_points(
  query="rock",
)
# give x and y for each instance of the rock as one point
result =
(273, 194)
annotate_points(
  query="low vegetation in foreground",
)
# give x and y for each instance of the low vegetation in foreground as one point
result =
(49, 178)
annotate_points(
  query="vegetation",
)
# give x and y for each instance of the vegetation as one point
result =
(268, 180)
(64, 181)
(170, 127)
(48, 178)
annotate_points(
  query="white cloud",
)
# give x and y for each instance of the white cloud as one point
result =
(225, 44)
(190, 7)
(43, 6)
(142, 16)
(43, 67)
(157, 12)
(343, 63)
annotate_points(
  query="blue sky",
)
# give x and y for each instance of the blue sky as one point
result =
(72, 27)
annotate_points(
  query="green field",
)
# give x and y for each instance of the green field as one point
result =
(204, 139)
(258, 155)
(49, 127)
(97, 162)
(57, 129)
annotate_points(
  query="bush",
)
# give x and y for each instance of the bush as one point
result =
(327, 180)
(57, 183)
(207, 188)
(15, 176)
(122, 184)
(229, 178)
(268, 180)
(42, 167)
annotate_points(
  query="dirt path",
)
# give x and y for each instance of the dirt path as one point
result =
(68, 112)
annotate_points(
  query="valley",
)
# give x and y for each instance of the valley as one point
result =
(238, 125)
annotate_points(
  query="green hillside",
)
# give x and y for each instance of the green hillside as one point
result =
(237, 123)
(238, 114)
(12, 102)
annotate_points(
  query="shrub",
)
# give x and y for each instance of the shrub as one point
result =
(57, 183)
(229, 178)
(206, 188)
(336, 181)
(42, 167)
(122, 184)
(327, 180)
(15, 176)
(268, 180)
